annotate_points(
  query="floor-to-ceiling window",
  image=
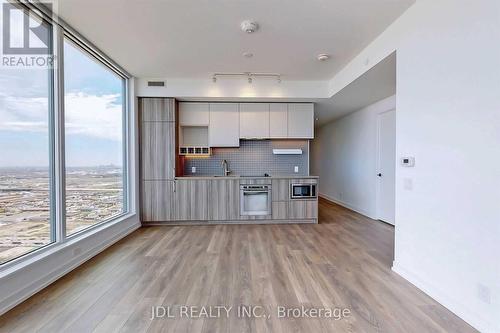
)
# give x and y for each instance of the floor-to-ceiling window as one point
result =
(62, 133)
(25, 142)
(94, 154)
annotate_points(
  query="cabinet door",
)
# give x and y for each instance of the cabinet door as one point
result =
(158, 150)
(157, 109)
(281, 190)
(278, 120)
(193, 114)
(157, 200)
(254, 120)
(301, 121)
(224, 199)
(191, 200)
(224, 127)
(303, 209)
(280, 210)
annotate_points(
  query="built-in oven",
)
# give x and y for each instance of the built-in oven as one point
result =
(303, 191)
(255, 200)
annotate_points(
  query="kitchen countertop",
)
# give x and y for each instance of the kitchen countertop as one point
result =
(246, 177)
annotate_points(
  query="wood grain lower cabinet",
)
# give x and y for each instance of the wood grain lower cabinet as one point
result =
(303, 209)
(191, 200)
(281, 190)
(224, 199)
(157, 200)
(280, 210)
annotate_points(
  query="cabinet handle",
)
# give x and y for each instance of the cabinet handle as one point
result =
(174, 185)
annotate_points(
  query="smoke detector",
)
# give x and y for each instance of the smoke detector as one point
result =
(323, 57)
(249, 26)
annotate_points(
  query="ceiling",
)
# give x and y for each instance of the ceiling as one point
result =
(377, 83)
(193, 39)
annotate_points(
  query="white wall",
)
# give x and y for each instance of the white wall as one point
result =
(448, 117)
(344, 156)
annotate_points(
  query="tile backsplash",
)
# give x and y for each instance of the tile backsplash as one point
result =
(252, 158)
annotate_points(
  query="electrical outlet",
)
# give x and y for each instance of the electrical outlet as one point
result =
(296, 169)
(483, 293)
(193, 169)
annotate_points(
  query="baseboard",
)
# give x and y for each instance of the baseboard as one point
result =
(471, 317)
(348, 206)
(39, 284)
(228, 222)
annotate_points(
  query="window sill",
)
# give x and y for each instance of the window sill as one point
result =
(42, 253)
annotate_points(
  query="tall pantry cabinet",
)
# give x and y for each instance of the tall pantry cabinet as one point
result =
(157, 118)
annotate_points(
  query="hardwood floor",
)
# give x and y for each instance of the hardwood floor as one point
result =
(343, 262)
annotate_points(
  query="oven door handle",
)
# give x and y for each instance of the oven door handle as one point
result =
(254, 192)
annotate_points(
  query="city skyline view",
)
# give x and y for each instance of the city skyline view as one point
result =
(93, 147)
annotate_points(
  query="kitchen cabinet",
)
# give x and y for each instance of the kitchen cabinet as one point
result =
(280, 210)
(301, 121)
(278, 120)
(157, 109)
(157, 200)
(158, 150)
(254, 120)
(191, 200)
(224, 127)
(157, 158)
(303, 209)
(224, 199)
(281, 190)
(194, 114)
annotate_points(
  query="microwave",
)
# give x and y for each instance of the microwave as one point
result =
(303, 191)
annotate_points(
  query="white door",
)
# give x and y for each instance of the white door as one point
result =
(386, 196)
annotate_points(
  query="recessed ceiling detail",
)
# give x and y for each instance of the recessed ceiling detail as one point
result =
(151, 39)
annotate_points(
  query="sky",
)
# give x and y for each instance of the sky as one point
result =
(93, 112)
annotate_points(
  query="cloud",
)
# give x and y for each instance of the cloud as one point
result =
(97, 116)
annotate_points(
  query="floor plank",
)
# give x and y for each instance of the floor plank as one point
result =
(342, 262)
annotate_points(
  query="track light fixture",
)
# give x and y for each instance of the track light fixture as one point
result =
(249, 75)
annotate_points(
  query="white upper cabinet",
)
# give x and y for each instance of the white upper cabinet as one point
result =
(228, 122)
(224, 125)
(193, 114)
(301, 121)
(278, 120)
(254, 120)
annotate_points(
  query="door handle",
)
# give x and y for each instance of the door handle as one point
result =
(380, 175)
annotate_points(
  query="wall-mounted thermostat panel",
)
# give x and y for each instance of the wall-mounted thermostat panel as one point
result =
(408, 161)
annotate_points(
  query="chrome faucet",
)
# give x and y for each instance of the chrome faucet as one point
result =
(225, 168)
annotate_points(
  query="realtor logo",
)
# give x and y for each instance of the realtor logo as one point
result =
(23, 33)
(26, 38)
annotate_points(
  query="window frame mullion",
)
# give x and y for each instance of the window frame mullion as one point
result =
(59, 142)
